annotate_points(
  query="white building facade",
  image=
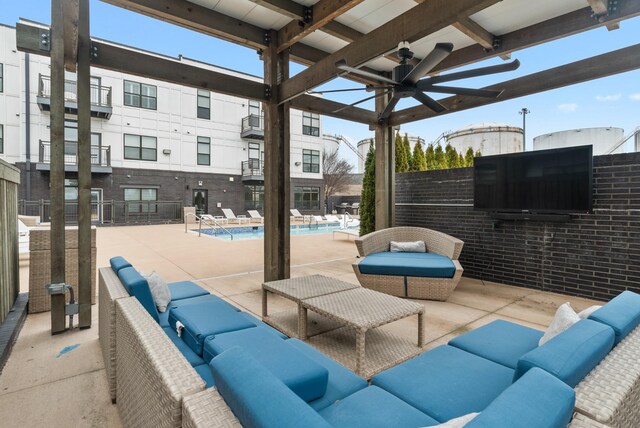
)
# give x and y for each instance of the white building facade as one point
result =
(151, 140)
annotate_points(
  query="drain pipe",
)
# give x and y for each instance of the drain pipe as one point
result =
(27, 133)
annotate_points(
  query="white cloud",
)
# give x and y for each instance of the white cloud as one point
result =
(635, 97)
(568, 108)
(607, 98)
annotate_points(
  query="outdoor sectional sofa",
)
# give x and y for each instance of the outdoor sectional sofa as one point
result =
(256, 377)
(432, 275)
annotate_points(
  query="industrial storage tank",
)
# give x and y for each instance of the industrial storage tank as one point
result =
(363, 148)
(331, 143)
(602, 139)
(487, 137)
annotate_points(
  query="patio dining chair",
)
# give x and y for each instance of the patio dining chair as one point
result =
(255, 216)
(232, 218)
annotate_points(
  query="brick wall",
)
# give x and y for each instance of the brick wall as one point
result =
(595, 255)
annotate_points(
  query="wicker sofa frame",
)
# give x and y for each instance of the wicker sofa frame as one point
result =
(415, 287)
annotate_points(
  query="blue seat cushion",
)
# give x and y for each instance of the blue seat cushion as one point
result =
(537, 399)
(342, 381)
(185, 289)
(187, 352)
(260, 324)
(500, 341)
(205, 373)
(138, 287)
(373, 407)
(164, 316)
(204, 319)
(446, 382)
(118, 263)
(301, 374)
(429, 265)
(622, 314)
(572, 354)
(258, 398)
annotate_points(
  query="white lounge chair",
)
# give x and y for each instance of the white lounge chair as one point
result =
(255, 216)
(332, 218)
(215, 219)
(297, 216)
(232, 218)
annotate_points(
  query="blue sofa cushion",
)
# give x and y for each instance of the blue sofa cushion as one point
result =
(187, 352)
(204, 319)
(260, 324)
(500, 341)
(164, 316)
(572, 354)
(185, 290)
(446, 382)
(429, 265)
(342, 381)
(138, 287)
(118, 263)
(305, 377)
(373, 407)
(537, 399)
(622, 314)
(257, 397)
(205, 373)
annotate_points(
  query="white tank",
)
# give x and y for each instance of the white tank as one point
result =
(363, 148)
(330, 143)
(488, 137)
(602, 139)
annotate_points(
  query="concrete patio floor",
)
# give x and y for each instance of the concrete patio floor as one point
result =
(60, 380)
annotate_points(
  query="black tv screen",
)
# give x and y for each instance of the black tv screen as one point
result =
(544, 181)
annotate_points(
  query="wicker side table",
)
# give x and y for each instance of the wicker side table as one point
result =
(40, 266)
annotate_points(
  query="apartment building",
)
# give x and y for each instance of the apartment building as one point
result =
(152, 142)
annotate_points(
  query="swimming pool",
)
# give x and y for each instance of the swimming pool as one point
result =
(257, 232)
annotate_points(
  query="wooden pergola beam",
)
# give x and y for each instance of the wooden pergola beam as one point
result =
(327, 108)
(474, 31)
(615, 62)
(420, 21)
(70, 31)
(599, 7)
(323, 12)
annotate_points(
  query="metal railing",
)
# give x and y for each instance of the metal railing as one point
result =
(252, 168)
(100, 95)
(100, 155)
(110, 212)
(214, 225)
(253, 122)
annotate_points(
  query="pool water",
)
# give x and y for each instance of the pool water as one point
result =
(257, 232)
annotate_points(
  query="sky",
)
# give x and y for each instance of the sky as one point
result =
(611, 101)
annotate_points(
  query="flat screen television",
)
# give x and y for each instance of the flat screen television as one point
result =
(557, 181)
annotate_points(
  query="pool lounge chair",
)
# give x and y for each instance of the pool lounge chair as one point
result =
(297, 216)
(231, 217)
(255, 216)
(214, 219)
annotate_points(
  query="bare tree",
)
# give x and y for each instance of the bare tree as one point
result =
(335, 172)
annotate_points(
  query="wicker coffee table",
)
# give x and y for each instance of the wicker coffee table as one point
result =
(361, 310)
(298, 290)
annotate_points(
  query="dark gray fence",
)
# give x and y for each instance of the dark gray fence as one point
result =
(9, 257)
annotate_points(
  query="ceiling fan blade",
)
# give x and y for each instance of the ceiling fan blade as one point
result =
(361, 101)
(429, 102)
(388, 109)
(435, 57)
(342, 65)
(487, 93)
(367, 88)
(476, 72)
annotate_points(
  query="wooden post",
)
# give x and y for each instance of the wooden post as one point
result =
(57, 165)
(385, 170)
(84, 166)
(277, 187)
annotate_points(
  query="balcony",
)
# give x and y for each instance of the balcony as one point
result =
(100, 97)
(253, 127)
(100, 157)
(252, 170)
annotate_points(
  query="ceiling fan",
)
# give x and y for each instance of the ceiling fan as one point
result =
(407, 79)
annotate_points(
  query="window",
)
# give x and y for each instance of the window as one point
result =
(1, 78)
(307, 198)
(140, 200)
(1, 139)
(140, 95)
(70, 189)
(204, 104)
(204, 151)
(310, 161)
(311, 124)
(254, 151)
(140, 147)
(254, 197)
(254, 108)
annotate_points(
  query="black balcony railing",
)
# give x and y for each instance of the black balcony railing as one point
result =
(253, 127)
(252, 169)
(100, 97)
(100, 155)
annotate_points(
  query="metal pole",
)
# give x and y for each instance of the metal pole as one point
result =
(57, 165)
(84, 167)
(524, 112)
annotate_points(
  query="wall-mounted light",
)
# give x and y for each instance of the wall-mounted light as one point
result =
(297, 164)
(166, 151)
(200, 183)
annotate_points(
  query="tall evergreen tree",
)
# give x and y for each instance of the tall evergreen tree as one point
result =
(468, 157)
(430, 157)
(368, 195)
(451, 156)
(478, 154)
(440, 161)
(401, 156)
(419, 163)
(461, 162)
(407, 151)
